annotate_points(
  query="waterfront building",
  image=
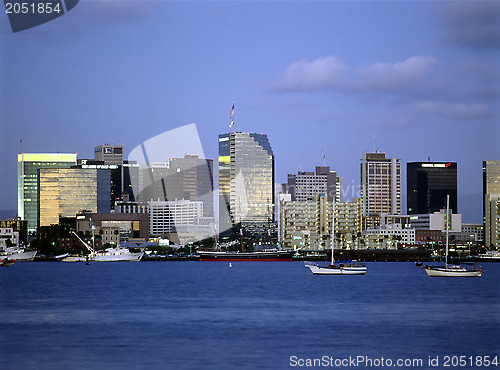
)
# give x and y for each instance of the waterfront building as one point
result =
(475, 231)
(306, 224)
(389, 236)
(491, 203)
(304, 185)
(28, 165)
(18, 225)
(165, 215)
(130, 225)
(246, 182)
(426, 237)
(428, 184)
(380, 184)
(8, 233)
(348, 224)
(66, 192)
(437, 221)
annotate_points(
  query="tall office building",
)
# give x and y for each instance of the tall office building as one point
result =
(428, 184)
(491, 203)
(115, 177)
(187, 178)
(192, 178)
(28, 165)
(380, 184)
(304, 185)
(246, 181)
(65, 192)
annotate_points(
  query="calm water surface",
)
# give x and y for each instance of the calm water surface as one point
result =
(204, 315)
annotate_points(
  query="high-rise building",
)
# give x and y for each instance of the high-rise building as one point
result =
(428, 184)
(246, 182)
(65, 192)
(304, 185)
(28, 165)
(191, 178)
(380, 184)
(188, 178)
(491, 203)
(307, 224)
(115, 176)
(112, 155)
(109, 154)
(164, 216)
(348, 224)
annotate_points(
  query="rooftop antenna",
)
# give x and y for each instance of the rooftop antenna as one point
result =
(324, 157)
(428, 159)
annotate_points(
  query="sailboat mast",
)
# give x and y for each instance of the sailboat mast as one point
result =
(333, 228)
(447, 224)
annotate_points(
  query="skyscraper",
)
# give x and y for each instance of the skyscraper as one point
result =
(28, 165)
(428, 183)
(65, 192)
(191, 178)
(380, 184)
(187, 178)
(246, 181)
(491, 203)
(304, 185)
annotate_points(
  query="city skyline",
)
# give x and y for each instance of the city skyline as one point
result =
(421, 77)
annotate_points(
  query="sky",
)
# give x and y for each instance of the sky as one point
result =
(413, 79)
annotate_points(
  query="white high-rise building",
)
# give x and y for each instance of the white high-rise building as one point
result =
(380, 184)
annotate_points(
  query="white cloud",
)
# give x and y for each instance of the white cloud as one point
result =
(406, 76)
(320, 73)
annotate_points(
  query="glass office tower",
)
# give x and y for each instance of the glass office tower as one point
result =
(246, 181)
(428, 184)
(28, 165)
(69, 191)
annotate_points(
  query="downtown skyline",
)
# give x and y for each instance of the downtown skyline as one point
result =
(413, 80)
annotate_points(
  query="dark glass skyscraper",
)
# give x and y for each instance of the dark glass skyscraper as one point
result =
(428, 183)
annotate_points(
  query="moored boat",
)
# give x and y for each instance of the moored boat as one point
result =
(338, 268)
(108, 255)
(17, 254)
(451, 270)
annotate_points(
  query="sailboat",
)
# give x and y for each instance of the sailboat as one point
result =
(451, 270)
(339, 267)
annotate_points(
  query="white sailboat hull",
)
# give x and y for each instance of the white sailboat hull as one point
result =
(347, 270)
(452, 272)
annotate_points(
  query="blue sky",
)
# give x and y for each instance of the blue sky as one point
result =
(413, 79)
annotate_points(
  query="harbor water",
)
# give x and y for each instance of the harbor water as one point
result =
(253, 315)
